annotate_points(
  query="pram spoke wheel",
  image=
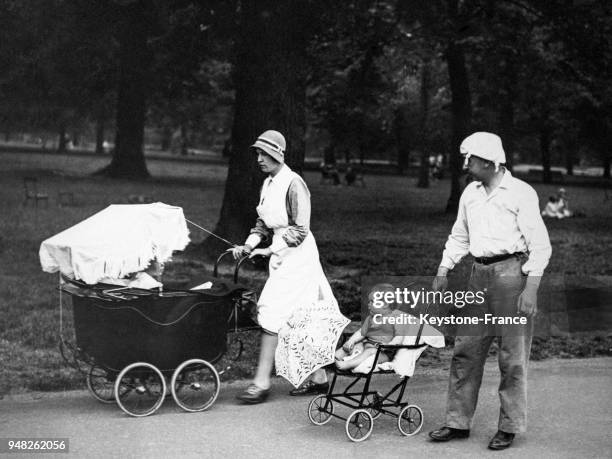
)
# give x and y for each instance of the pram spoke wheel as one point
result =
(359, 425)
(410, 420)
(140, 389)
(195, 385)
(101, 384)
(320, 410)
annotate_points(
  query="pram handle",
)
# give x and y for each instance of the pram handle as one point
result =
(239, 263)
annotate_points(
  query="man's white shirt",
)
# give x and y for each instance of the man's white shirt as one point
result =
(506, 221)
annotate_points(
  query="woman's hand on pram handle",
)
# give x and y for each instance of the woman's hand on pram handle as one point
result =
(261, 252)
(240, 251)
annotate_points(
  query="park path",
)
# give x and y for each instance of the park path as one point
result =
(570, 416)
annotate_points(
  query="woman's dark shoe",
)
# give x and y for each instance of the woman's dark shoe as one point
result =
(253, 395)
(501, 440)
(310, 387)
(448, 433)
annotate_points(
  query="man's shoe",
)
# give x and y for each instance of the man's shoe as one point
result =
(253, 395)
(448, 433)
(501, 440)
(310, 387)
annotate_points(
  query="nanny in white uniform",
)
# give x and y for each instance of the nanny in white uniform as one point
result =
(296, 276)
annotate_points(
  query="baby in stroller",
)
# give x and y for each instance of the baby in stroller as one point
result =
(378, 328)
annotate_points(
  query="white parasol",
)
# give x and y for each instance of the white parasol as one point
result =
(117, 241)
(308, 341)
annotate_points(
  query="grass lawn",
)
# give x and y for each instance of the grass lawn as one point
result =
(388, 228)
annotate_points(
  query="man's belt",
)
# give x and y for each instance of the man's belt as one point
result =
(496, 258)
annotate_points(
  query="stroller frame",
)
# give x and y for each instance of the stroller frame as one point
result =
(369, 404)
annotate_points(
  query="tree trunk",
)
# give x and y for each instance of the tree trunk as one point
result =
(506, 113)
(184, 140)
(100, 135)
(270, 84)
(545, 138)
(62, 140)
(402, 137)
(134, 61)
(424, 168)
(461, 108)
(569, 160)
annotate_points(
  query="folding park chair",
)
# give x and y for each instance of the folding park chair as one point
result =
(30, 185)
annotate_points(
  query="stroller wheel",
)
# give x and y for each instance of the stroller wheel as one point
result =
(320, 410)
(410, 420)
(101, 384)
(140, 389)
(195, 385)
(359, 425)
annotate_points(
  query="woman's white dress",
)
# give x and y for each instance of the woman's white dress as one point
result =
(296, 289)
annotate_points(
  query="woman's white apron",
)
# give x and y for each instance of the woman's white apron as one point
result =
(296, 277)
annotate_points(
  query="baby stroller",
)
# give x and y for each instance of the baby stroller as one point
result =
(368, 404)
(135, 345)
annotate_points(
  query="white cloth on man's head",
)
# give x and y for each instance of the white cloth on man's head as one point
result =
(115, 242)
(484, 145)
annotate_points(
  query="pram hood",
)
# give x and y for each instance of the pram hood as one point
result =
(117, 241)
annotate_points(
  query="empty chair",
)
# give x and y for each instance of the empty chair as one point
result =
(30, 185)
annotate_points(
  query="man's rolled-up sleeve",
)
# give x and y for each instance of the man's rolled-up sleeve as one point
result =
(458, 243)
(535, 233)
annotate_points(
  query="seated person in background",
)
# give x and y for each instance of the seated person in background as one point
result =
(330, 172)
(378, 331)
(552, 209)
(563, 203)
(350, 176)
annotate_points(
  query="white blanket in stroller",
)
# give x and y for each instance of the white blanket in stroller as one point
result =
(405, 360)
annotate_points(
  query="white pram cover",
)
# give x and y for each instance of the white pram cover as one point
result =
(117, 241)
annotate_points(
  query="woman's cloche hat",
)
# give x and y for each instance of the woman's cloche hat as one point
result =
(272, 143)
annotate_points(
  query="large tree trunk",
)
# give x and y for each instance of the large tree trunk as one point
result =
(134, 62)
(461, 107)
(270, 94)
(424, 169)
(402, 137)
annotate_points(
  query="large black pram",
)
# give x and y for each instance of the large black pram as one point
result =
(136, 345)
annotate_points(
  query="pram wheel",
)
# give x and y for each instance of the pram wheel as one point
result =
(320, 410)
(359, 425)
(195, 385)
(410, 420)
(101, 384)
(140, 389)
